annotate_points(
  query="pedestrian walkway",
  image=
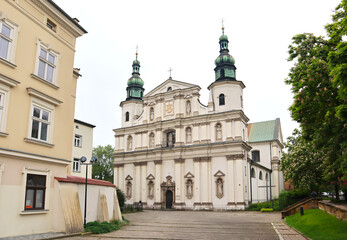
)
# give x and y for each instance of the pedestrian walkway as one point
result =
(287, 233)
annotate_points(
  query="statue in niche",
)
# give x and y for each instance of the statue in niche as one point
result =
(151, 140)
(188, 108)
(189, 134)
(130, 143)
(170, 139)
(189, 186)
(219, 189)
(128, 190)
(150, 190)
(151, 114)
(219, 131)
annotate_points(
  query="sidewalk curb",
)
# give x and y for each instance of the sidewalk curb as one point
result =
(68, 235)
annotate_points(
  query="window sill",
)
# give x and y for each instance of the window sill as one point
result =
(44, 81)
(4, 61)
(76, 171)
(46, 144)
(3, 134)
(31, 212)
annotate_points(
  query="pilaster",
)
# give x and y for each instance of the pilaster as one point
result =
(157, 200)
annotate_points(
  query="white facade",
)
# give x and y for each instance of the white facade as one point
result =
(175, 152)
(82, 146)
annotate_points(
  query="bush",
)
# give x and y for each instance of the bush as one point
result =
(121, 198)
(259, 206)
(287, 198)
(104, 227)
(266, 210)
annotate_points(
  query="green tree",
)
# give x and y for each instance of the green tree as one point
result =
(103, 168)
(303, 163)
(318, 81)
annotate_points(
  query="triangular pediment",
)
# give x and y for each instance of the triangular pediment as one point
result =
(150, 177)
(174, 84)
(128, 178)
(189, 175)
(219, 174)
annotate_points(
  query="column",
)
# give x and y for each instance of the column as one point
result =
(196, 135)
(137, 182)
(231, 183)
(121, 178)
(158, 137)
(145, 140)
(228, 133)
(203, 133)
(204, 182)
(197, 202)
(179, 135)
(157, 194)
(138, 140)
(179, 200)
(115, 175)
(238, 129)
(209, 174)
(121, 143)
(144, 183)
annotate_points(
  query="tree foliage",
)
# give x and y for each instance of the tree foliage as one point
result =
(303, 163)
(103, 168)
(319, 83)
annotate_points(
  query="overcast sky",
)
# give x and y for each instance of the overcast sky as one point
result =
(184, 35)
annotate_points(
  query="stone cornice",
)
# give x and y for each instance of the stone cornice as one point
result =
(179, 160)
(235, 156)
(202, 159)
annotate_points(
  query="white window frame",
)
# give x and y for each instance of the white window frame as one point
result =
(49, 50)
(38, 103)
(12, 39)
(44, 172)
(74, 163)
(78, 140)
(5, 97)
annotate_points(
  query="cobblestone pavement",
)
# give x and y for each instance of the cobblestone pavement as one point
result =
(181, 225)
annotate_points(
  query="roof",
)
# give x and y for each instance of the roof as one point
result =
(169, 82)
(67, 15)
(74, 179)
(84, 123)
(265, 131)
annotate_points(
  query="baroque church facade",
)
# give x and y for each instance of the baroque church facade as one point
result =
(174, 152)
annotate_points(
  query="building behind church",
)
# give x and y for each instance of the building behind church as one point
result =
(174, 152)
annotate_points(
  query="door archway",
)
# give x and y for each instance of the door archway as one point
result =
(169, 199)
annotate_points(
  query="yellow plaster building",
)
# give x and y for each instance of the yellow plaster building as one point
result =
(37, 103)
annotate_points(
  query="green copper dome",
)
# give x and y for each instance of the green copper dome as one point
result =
(223, 37)
(135, 80)
(225, 58)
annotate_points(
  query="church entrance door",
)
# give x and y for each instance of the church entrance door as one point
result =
(169, 198)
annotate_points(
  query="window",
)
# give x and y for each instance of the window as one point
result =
(127, 116)
(222, 73)
(51, 24)
(169, 89)
(256, 156)
(78, 140)
(76, 165)
(261, 175)
(40, 123)
(2, 101)
(252, 173)
(221, 99)
(35, 192)
(151, 114)
(170, 138)
(46, 65)
(5, 40)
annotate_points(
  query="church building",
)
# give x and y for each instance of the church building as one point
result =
(174, 152)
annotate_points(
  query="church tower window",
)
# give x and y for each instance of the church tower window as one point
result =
(127, 116)
(221, 99)
(252, 173)
(222, 73)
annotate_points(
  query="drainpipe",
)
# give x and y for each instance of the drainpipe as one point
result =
(250, 177)
(270, 176)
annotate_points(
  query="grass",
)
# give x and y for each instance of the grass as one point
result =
(317, 224)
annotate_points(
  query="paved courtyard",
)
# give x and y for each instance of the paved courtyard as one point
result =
(197, 225)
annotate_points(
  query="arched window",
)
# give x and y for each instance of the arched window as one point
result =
(252, 173)
(222, 73)
(260, 175)
(169, 89)
(267, 177)
(188, 135)
(219, 135)
(221, 99)
(256, 155)
(151, 140)
(127, 116)
(188, 107)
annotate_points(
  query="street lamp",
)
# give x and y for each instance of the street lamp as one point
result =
(83, 162)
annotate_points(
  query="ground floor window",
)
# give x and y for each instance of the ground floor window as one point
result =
(35, 192)
(76, 167)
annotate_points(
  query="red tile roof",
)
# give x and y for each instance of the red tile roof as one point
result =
(74, 179)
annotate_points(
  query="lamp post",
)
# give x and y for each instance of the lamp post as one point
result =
(83, 162)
